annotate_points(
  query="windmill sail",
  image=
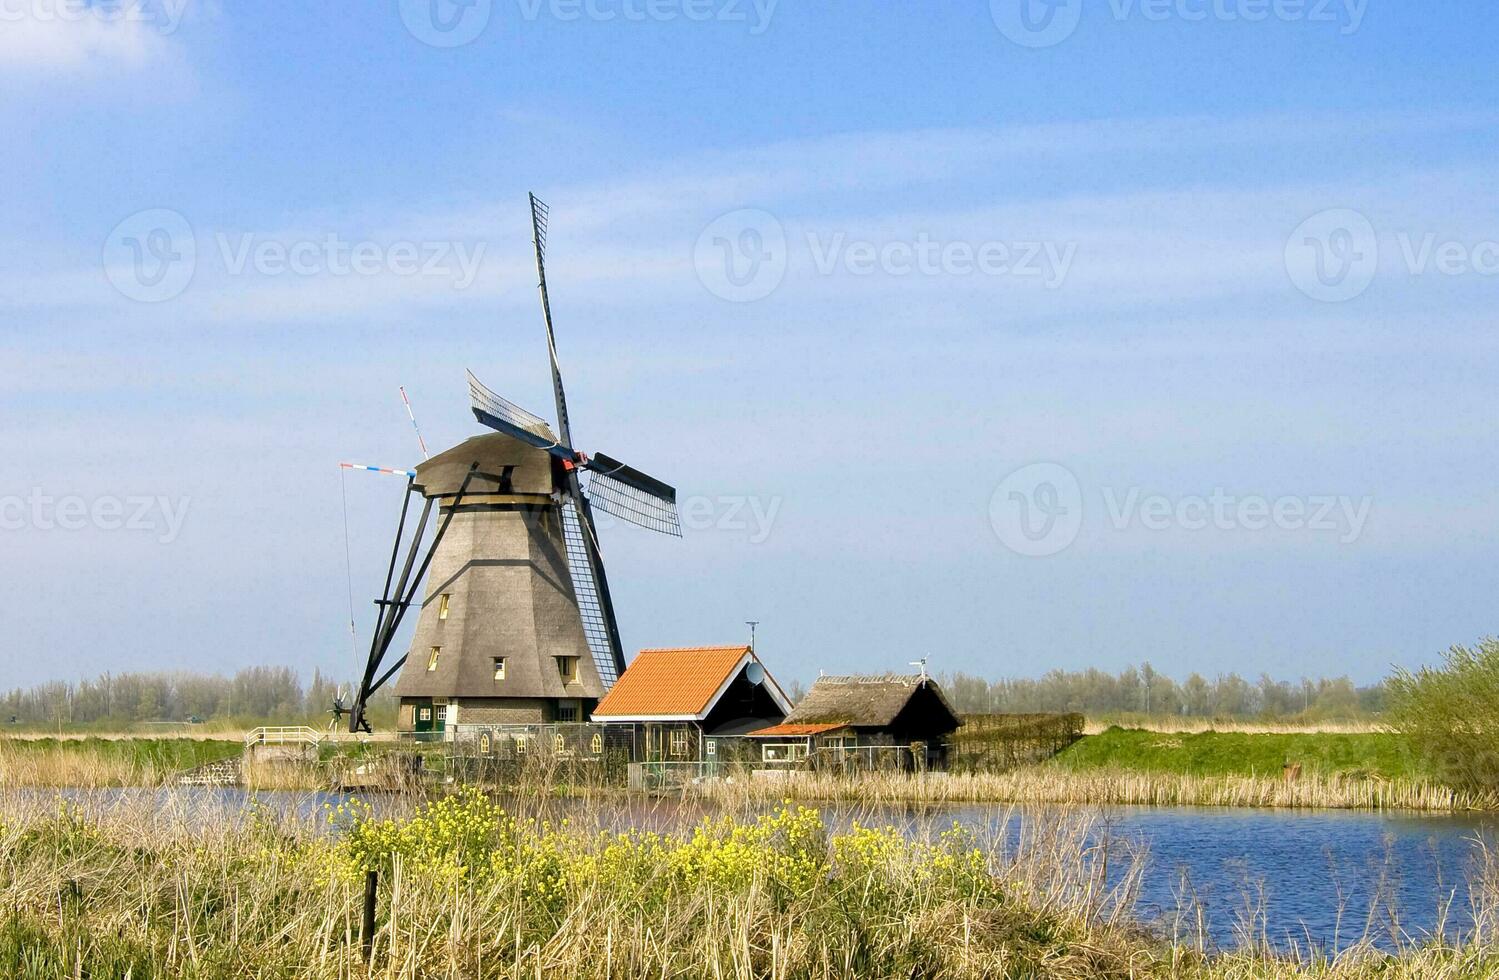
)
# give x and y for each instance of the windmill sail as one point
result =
(595, 625)
(630, 495)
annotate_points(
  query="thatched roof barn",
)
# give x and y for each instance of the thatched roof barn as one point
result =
(869, 710)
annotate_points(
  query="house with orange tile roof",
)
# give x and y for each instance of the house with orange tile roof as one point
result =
(685, 702)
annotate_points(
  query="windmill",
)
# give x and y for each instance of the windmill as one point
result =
(518, 623)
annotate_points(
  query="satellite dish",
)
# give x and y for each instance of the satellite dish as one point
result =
(755, 674)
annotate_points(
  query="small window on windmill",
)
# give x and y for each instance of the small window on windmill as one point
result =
(443, 604)
(484, 744)
(558, 742)
(520, 745)
(432, 656)
(596, 744)
(499, 668)
(567, 667)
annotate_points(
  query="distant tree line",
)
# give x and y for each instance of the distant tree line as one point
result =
(1146, 691)
(271, 694)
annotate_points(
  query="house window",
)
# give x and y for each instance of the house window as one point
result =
(712, 747)
(679, 743)
(499, 668)
(442, 605)
(567, 667)
(432, 656)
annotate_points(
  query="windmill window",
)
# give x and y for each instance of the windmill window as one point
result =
(596, 744)
(679, 743)
(442, 605)
(432, 656)
(567, 712)
(567, 667)
(499, 668)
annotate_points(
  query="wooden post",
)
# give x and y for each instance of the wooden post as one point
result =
(367, 931)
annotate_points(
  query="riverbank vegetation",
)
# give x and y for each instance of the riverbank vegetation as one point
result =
(467, 889)
(1377, 755)
(99, 762)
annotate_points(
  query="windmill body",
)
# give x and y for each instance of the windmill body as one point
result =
(500, 637)
(516, 625)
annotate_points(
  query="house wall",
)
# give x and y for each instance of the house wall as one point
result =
(504, 711)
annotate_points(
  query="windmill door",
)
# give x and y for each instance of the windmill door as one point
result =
(425, 717)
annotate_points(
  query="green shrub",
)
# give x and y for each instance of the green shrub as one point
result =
(1451, 714)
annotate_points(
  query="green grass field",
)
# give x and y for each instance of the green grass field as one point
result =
(1239, 754)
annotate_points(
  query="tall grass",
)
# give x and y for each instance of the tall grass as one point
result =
(1055, 786)
(97, 763)
(116, 889)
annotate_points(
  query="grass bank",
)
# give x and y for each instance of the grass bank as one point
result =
(101, 762)
(1377, 755)
(1047, 785)
(468, 890)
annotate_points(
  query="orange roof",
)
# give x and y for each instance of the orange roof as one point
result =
(794, 731)
(670, 682)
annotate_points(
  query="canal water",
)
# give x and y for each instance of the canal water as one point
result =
(1307, 879)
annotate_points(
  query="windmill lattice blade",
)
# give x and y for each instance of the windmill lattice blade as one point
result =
(595, 628)
(632, 496)
(540, 213)
(505, 416)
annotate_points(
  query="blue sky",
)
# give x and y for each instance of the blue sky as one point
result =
(1175, 253)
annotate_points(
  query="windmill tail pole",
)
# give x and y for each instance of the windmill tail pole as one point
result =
(388, 470)
(412, 416)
